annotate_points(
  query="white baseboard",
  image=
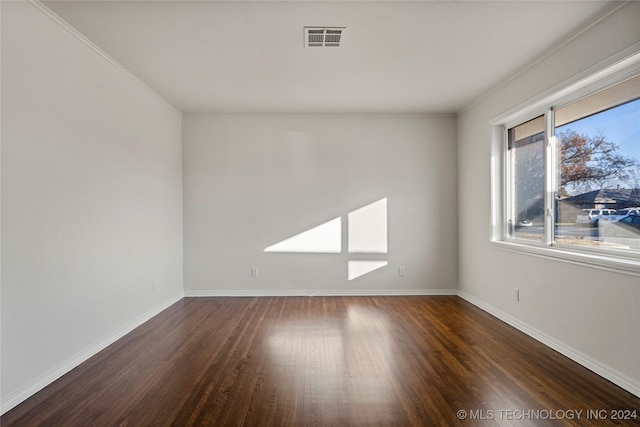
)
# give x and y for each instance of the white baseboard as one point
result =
(313, 293)
(621, 380)
(47, 378)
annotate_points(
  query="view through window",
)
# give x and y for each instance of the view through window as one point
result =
(526, 188)
(593, 180)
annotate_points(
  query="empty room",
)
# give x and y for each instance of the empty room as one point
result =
(284, 213)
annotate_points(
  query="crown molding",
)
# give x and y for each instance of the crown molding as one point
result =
(104, 55)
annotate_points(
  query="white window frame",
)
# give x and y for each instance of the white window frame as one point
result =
(615, 70)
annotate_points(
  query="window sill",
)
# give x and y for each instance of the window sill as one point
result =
(614, 263)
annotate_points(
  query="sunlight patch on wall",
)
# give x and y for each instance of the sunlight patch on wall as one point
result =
(324, 238)
(368, 228)
(366, 234)
(357, 269)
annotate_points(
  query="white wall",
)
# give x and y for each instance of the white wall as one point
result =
(91, 201)
(582, 310)
(253, 180)
(92, 211)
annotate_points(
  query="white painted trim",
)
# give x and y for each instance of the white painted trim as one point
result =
(602, 261)
(314, 293)
(616, 68)
(104, 55)
(426, 115)
(552, 50)
(606, 372)
(47, 378)
(1, 412)
(621, 380)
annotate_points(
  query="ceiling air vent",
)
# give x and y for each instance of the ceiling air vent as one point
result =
(322, 36)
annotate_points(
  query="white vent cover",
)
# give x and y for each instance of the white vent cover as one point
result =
(323, 36)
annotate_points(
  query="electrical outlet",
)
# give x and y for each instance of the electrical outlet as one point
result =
(516, 294)
(401, 271)
(254, 272)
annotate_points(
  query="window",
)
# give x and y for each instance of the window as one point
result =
(598, 141)
(566, 173)
(526, 185)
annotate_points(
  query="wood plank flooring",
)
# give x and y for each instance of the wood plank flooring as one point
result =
(327, 361)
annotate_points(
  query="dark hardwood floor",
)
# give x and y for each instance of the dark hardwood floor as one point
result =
(295, 361)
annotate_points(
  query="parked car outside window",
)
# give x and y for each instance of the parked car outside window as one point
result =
(622, 213)
(592, 216)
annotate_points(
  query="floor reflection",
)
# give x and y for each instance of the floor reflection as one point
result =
(342, 363)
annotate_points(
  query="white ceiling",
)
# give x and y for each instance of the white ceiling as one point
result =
(249, 56)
